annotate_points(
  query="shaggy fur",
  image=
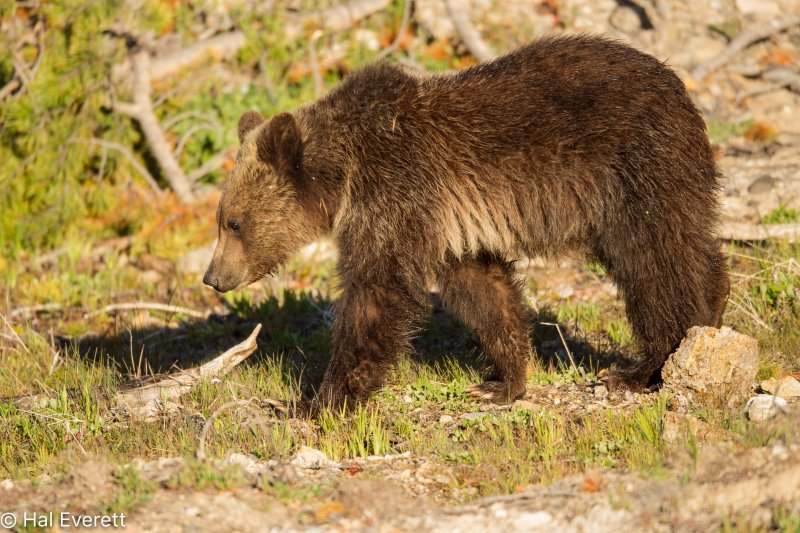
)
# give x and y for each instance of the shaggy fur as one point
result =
(566, 144)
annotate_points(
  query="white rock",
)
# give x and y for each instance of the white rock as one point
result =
(249, 464)
(446, 419)
(764, 406)
(311, 458)
(787, 387)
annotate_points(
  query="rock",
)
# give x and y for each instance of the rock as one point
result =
(524, 404)
(311, 458)
(787, 387)
(250, 465)
(764, 406)
(761, 185)
(676, 428)
(446, 419)
(625, 19)
(196, 261)
(713, 366)
(473, 416)
(600, 392)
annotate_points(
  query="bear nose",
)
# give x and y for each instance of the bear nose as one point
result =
(211, 280)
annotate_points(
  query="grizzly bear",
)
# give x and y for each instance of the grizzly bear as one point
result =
(568, 144)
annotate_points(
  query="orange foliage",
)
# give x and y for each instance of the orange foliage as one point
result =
(761, 132)
(776, 56)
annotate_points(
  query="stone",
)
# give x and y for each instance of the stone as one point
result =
(764, 407)
(196, 261)
(716, 367)
(473, 416)
(524, 404)
(676, 428)
(311, 458)
(786, 387)
(446, 419)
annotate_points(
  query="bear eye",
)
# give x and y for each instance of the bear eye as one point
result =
(233, 225)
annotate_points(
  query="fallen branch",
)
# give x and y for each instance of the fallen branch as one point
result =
(222, 45)
(118, 244)
(742, 231)
(147, 401)
(742, 41)
(23, 71)
(778, 78)
(336, 18)
(141, 110)
(469, 35)
(152, 306)
(34, 310)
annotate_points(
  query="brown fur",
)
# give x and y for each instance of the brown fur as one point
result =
(566, 144)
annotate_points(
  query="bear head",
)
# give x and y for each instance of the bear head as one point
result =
(260, 217)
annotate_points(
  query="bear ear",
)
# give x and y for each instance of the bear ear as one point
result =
(280, 144)
(247, 122)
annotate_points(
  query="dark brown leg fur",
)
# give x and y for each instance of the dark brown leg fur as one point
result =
(670, 282)
(372, 326)
(483, 293)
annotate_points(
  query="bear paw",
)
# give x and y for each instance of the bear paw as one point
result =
(495, 392)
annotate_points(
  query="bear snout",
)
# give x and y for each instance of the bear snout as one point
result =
(210, 279)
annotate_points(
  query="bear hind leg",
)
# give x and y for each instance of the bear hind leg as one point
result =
(482, 293)
(668, 287)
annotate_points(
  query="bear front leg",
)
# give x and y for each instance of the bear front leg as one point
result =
(484, 294)
(372, 326)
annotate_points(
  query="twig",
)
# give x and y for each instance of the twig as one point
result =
(752, 315)
(312, 56)
(469, 35)
(743, 231)
(141, 110)
(153, 306)
(146, 401)
(742, 41)
(201, 447)
(140, 168)
(564, 342)
(187, 135)
(401, 31)
(209, 166)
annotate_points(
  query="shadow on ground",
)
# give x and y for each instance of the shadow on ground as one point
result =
(296, 328)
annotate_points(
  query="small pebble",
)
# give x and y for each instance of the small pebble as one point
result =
(446, 419)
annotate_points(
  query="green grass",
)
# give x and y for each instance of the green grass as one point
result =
(781, 215)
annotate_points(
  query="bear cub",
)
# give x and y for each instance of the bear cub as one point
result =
(568, 144)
